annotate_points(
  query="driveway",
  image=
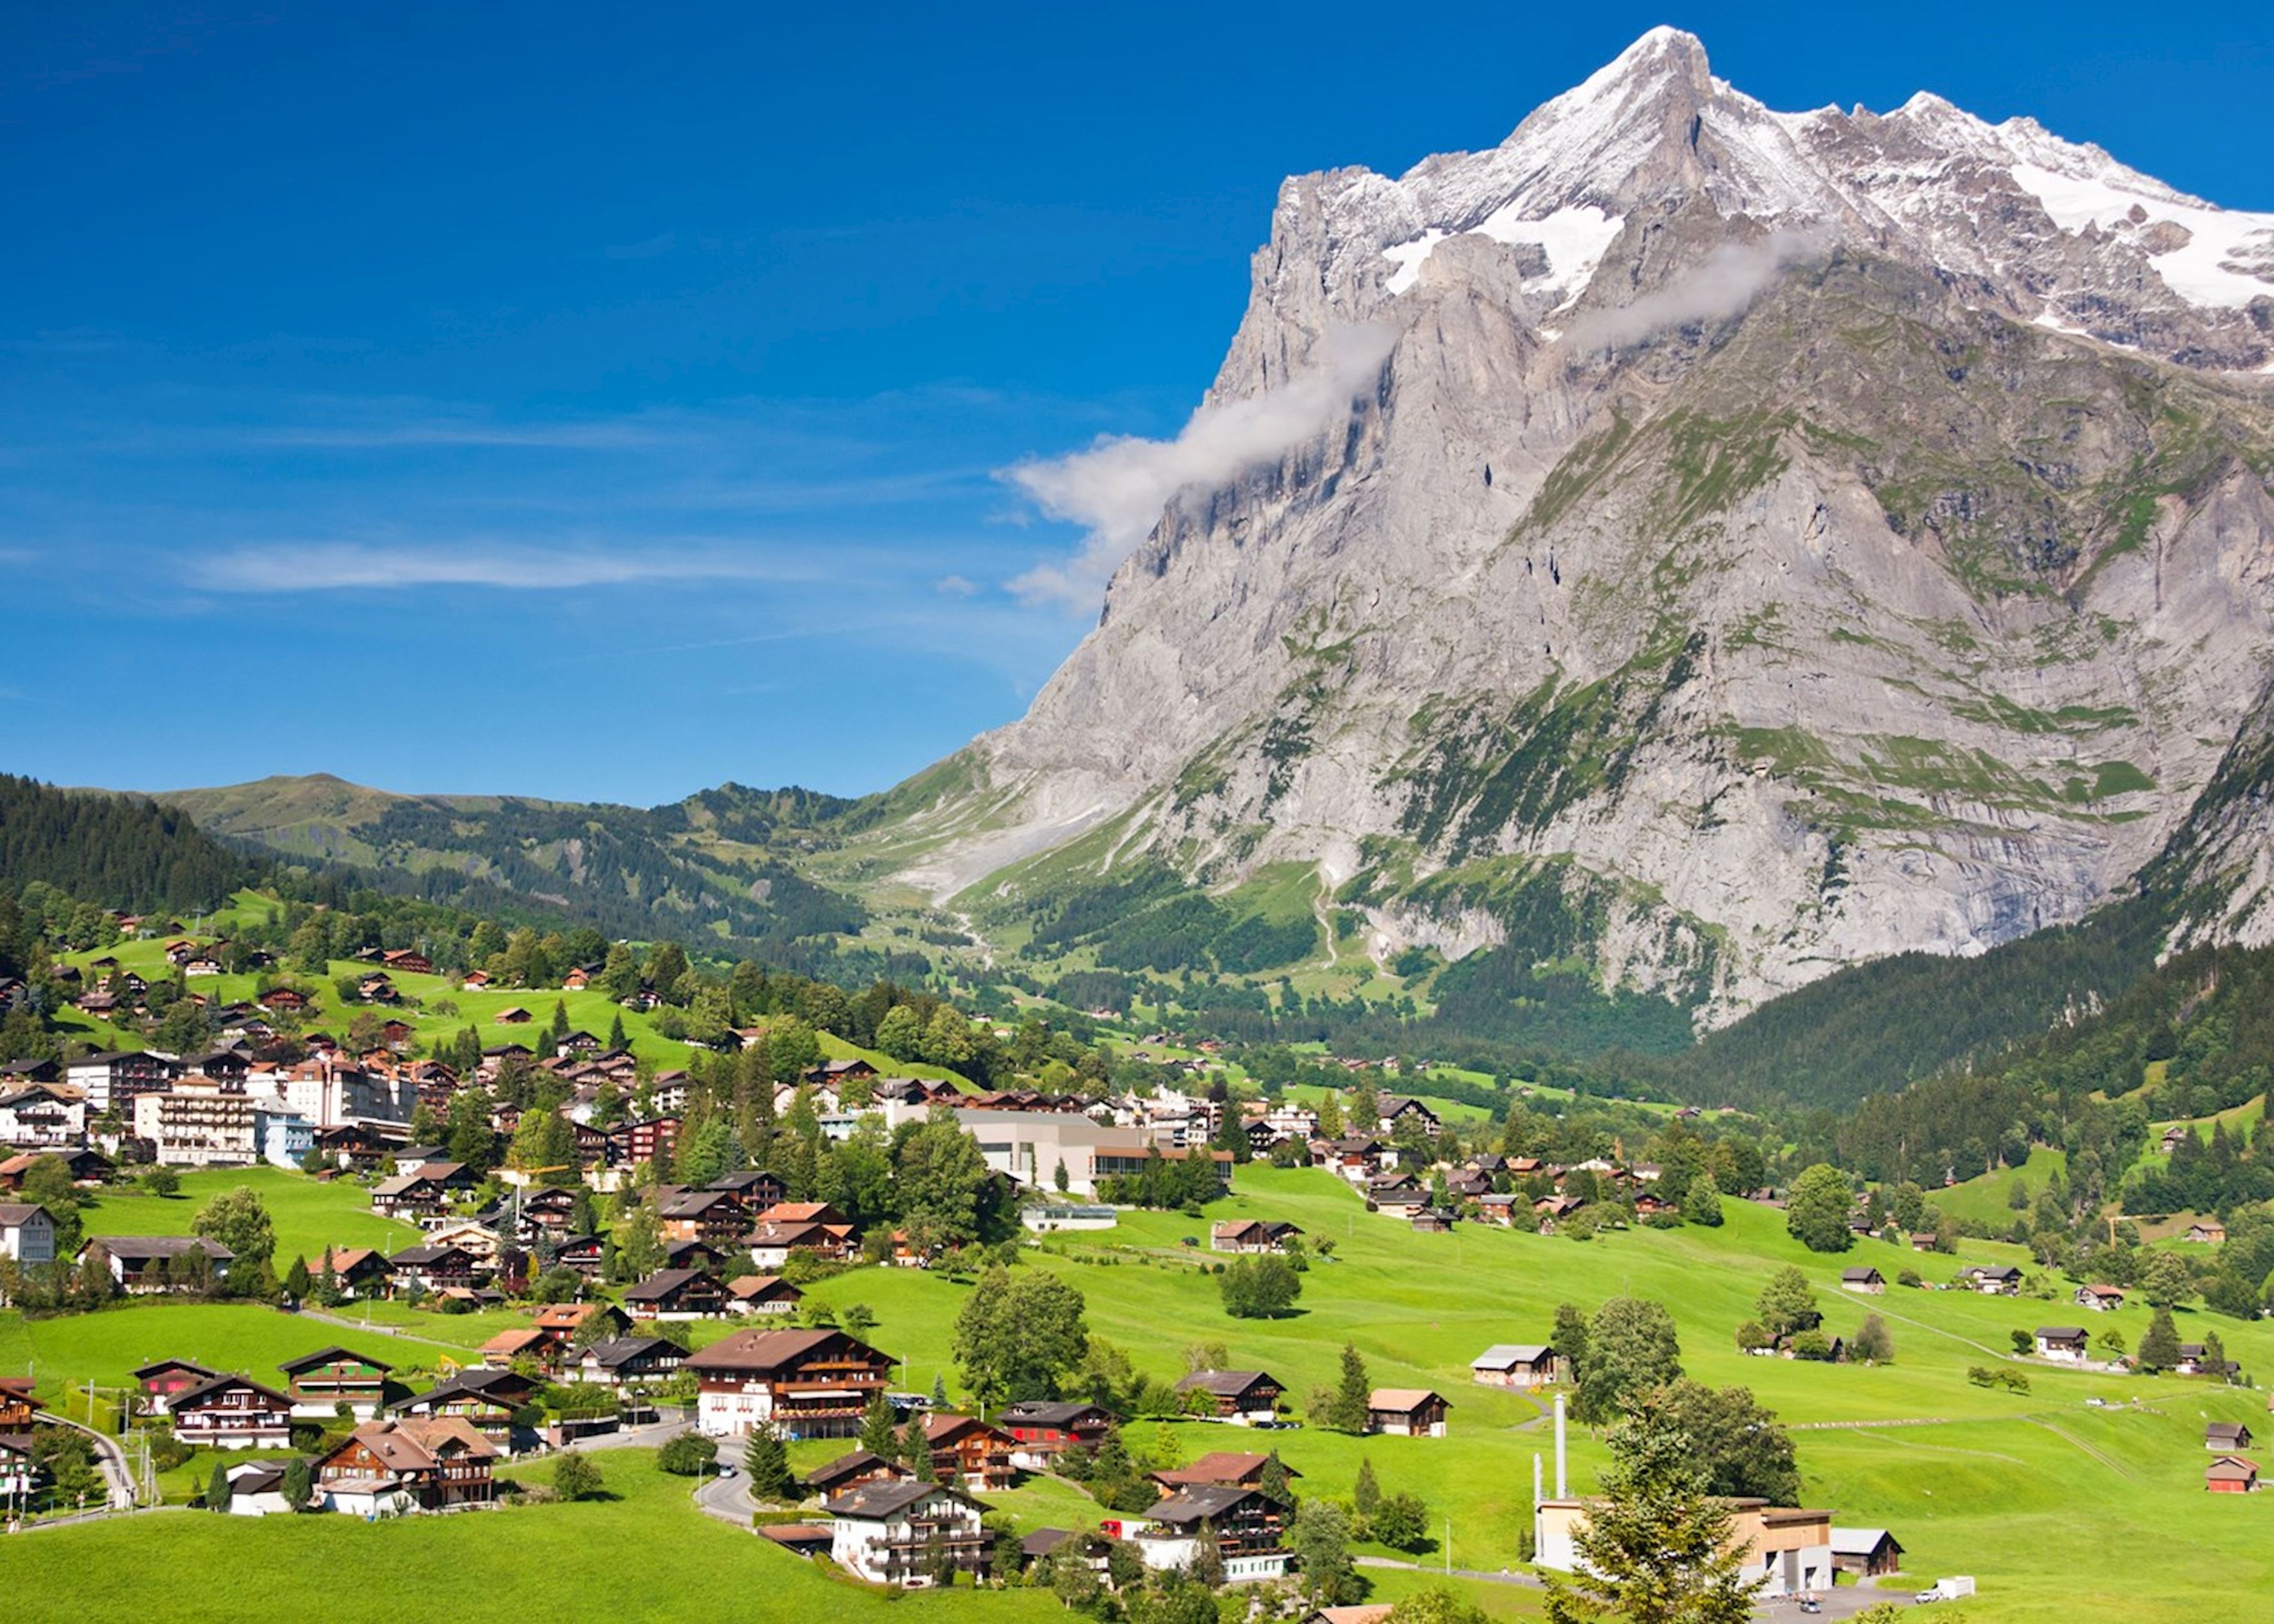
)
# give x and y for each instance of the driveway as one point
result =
(724, 1498)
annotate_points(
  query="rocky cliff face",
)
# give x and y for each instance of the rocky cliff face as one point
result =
(1769, 541)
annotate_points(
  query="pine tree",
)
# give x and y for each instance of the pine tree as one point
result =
(616, 1039)
(1656, 1545)
(1366, 1493)
(2159, 1348)
(877, 1434)
(295, 1280)
(1353, 1395)
(765, 1461)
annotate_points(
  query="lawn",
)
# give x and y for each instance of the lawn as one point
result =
(309, 1215)
(1960, 1460)
(643, 1555)
(107, 1347)
(2001, 1485)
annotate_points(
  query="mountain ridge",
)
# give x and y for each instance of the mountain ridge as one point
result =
(1571, 527)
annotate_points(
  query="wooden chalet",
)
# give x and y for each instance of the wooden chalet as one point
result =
(677, 1294)
(231, 1412)
(1041, 1430)
(145, 1264)
(966, 1448)
(408, 1463)
(1406, 1412)
(804, 1384)
(762, 1294)
(320, 1382)
(628, 1361)
(1240, 1397)
(487, 1400)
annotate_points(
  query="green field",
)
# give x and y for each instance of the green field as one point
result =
(308, 1216)
(2017, 1489)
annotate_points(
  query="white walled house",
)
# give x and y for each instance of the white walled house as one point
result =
(27, 1234)
(894, 1533)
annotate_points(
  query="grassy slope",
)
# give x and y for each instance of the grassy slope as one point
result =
(644, 1555)
(308, 1216)
(1978, 1492)
(1991, 1485)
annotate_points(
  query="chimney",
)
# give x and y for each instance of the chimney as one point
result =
(1562, 1486)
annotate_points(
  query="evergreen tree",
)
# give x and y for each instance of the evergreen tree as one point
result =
(1656, 1546)
(216, 1498)
(1366, 1493)
(1701, 1203)
(616, 1038)
(2160, 1347)
(297, 1282)
(876, 1433)
(766, 1462)
(1353, 1396)
(1572, 1338)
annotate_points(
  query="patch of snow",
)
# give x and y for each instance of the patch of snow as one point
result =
(2197, 271)
(1573, 239)
(1406, 260)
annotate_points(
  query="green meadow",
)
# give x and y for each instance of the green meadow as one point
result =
(2023, 1491)
(308, 1216)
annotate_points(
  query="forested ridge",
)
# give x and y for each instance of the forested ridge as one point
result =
(129, 851)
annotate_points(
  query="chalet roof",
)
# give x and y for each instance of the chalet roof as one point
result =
(421, 1443)
(665, 1284)
(160, 1366)
(13, 1215)
(1224, 1384)
(621, 1351)
(214, 1386)
(750, 1287)
(1860, 1274)
(1220, 1468)
(515, 1340)
(503, 1387)
(1862, 1541)
(1046, 1413)
(2062, 1333)
(419, 1257)
(1198, 1503)
(1402, 1399)
(330, 1356)
(763, 1352)
(1504, 1356)
(878, 1501)
(152, 1248)
(849, 1466)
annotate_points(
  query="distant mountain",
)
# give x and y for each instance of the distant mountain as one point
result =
(1688, 548)
(716, 865)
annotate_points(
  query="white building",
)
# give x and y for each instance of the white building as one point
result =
(1030, 1146)
(27, 1234)
(898, 1533)
(1784, 1551)
(42, 1116)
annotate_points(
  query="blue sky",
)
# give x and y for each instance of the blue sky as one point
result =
(603, 402)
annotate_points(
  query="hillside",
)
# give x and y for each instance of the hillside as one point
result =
(721, 864)
(132, 852)
(1699, 547)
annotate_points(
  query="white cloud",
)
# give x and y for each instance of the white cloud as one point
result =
(347, 567)
(1724, 284)
(955, 586)
(1118, 489)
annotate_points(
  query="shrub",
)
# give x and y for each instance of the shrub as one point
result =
(576, 1477)
(690, 1455)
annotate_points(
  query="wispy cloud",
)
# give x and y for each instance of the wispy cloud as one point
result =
(661, 242)
(1728, 280)
(352, 567)
(1118, 489)
(955, 586)
(443, 431)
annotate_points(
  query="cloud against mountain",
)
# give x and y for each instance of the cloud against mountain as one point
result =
(1118, 487)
